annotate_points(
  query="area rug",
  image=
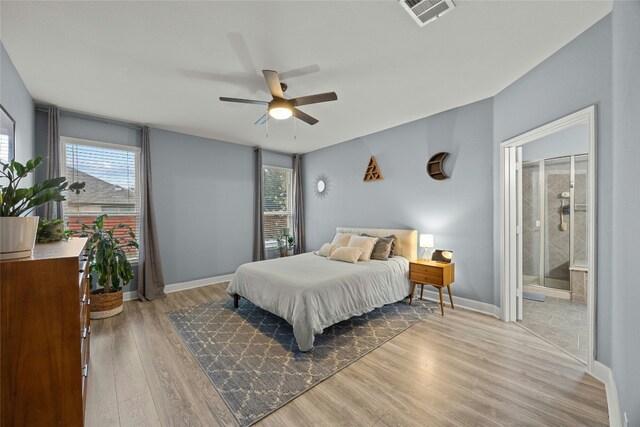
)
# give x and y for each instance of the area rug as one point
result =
(252, 358)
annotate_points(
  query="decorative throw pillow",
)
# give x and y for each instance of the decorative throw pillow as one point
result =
(346, 254)
(379, 248)
(341, 239)
(327, 249)
(364, 243)
(382, 249)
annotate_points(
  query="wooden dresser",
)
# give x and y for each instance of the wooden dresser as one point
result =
(45, 332)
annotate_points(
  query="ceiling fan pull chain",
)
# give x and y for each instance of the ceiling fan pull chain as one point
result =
(294, 129)
(267, 127)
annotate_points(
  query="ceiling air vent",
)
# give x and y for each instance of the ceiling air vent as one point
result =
(425, 11)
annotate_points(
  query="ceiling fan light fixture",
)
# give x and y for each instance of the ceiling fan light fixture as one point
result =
(280, 113)
(280, 109)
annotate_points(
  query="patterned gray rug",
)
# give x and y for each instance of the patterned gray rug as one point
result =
(252, 358)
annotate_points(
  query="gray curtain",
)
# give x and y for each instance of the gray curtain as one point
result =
(298, 206)
(150, 278)
(258, 210)
(53, 210)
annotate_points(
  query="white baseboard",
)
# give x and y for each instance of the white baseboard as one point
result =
(175, 287)
(469, 304)
(603, 373)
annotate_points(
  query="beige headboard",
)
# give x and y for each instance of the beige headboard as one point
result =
(406, 246)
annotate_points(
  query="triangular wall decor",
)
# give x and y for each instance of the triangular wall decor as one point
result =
(373, 171)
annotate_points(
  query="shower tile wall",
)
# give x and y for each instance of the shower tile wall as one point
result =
(530, 213)
(558, 180)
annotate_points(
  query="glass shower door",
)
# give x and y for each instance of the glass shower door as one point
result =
(580, 219)
(557, 239)
(531, 223)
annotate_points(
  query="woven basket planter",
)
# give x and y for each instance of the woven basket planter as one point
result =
(106, 305)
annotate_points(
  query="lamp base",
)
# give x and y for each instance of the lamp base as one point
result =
(426, 255)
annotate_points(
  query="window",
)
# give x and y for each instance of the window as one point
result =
(7, 136)
(111, 176)
(278, 202)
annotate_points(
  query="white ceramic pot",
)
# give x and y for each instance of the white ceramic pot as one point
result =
(17, 236)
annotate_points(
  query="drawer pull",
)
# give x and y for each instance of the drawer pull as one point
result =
(83, 299)
(83, 333)
(82, 270)
(85, 370)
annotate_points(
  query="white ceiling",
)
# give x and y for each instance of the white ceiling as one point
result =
(166, 63)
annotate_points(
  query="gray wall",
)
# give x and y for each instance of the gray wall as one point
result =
(15, 98)
(576, 76)
(624, 214)
(276, 159)
(203, 195)
(567, 142)
(458, 211)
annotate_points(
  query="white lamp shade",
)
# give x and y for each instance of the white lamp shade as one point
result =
(426, 241)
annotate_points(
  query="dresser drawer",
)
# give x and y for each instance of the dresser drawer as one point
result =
(426, 278)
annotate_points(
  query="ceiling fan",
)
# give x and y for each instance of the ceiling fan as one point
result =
(280, 108)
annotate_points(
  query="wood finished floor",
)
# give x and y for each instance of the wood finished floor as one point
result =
(461, 369)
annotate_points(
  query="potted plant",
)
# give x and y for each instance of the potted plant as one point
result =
(17, 231)
(52, 230)
(290, 241)
(108, 265)
(285, 243)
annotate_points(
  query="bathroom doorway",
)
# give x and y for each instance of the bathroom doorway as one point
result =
(547, 199)
(555, 245)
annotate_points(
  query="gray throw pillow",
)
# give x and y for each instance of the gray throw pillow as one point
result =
(384, 247)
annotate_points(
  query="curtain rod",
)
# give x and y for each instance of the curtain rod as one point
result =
(91, 118)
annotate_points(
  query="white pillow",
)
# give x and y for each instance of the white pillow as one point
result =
(327, 249)
(346, 254)
(341, 239)
(364, 243)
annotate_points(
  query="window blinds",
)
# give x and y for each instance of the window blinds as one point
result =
(278, 202)
(111, 177)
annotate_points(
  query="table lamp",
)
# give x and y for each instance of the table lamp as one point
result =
(426, 242)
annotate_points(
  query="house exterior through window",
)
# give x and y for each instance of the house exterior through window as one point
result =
(111, 174)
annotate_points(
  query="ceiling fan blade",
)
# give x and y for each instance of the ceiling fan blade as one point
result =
(274, 83)
(304, 117)
(262, 120)
(314, 99)
(243, 101)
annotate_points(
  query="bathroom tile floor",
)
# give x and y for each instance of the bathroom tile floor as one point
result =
(562, 322)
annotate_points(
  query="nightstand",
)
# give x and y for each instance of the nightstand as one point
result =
(433, 273)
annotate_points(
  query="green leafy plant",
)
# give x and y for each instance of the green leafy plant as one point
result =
(107, 254)
(52, 230)
(17, 201)
(285, 241)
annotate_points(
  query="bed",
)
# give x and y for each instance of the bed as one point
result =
(312, 292)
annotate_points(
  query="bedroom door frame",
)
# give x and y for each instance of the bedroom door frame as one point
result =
(511, 220)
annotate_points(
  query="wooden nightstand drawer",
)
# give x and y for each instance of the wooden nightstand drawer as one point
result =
(426, 269)
(418, 276)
